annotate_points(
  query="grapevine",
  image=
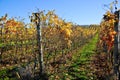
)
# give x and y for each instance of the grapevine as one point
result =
(107, 32)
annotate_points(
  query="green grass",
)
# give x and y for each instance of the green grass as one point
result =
(79, 69)
(7, 74)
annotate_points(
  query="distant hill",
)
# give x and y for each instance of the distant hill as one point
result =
(88, 25)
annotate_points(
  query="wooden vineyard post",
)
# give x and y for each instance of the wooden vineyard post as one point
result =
(1, 46)
(116, 52)
(1, 40)
(36, 19)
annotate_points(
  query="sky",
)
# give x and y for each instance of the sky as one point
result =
(82, 12)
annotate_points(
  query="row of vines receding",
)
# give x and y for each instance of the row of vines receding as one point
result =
(18, 41)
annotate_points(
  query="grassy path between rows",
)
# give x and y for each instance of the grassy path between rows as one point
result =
(79, 68)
